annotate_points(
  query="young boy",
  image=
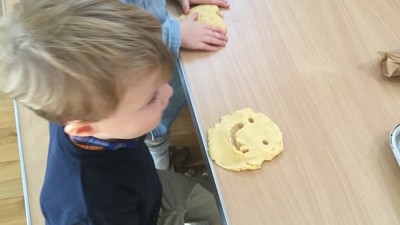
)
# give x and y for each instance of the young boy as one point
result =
(186, 34)
(98, 71)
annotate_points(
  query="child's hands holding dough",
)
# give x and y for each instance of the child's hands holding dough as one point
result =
(201, 36)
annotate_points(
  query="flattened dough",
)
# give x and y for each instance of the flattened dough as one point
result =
(208, 14)
(243, 140)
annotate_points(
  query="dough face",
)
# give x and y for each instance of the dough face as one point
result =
(208, 14)
(243, 140)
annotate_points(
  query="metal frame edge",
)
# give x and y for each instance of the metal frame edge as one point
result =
(200, 134)
(22, 164)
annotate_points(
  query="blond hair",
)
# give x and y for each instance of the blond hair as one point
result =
(67, 60)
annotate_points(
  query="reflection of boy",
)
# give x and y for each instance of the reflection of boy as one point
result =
(98, 70)
(187, 34)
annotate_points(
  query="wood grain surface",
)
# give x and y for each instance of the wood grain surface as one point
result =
(312, 67)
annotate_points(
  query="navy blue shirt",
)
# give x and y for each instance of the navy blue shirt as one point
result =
(99, 187)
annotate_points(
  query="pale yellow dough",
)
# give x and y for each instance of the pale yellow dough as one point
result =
(243, 140)
(208, 14)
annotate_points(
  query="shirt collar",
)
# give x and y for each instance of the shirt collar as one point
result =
(92, 143)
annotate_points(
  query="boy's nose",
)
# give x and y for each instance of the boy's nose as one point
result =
(169, 91)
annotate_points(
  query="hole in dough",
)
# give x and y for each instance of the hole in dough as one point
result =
(233, 132)
(265, 142)
(251, 120)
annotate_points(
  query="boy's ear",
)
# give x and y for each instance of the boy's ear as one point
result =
(79, 128)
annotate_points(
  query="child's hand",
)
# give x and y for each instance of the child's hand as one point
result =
(186, 4)
(201, 36)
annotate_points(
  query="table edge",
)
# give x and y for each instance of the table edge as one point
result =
(203, 144)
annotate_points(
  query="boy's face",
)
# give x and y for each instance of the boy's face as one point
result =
(138, 113)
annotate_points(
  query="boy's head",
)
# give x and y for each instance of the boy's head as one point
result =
(78, 60)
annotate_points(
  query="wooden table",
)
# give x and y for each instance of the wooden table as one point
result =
(312, 67)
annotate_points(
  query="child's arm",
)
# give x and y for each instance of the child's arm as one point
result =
(201, 36)
(170, 27)
(189, 34)
(171, 35)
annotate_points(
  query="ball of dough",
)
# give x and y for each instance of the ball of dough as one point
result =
(208, 14)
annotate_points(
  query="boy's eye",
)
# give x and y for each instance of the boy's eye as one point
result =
(154, 98)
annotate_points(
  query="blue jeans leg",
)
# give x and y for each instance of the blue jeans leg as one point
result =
(158, 139)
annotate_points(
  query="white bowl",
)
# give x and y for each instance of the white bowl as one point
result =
(394, 140)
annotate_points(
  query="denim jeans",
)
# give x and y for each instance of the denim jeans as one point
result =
(158, 140)
(186, 200)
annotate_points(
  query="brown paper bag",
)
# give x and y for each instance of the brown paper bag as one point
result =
(390, 63)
